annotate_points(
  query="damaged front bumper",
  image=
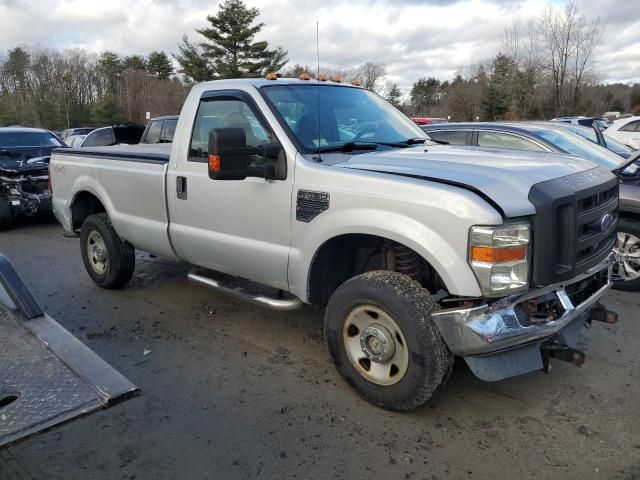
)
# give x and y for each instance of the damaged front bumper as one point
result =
(26, 203)
(506, 338)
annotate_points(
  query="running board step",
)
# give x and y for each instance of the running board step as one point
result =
(240, 292)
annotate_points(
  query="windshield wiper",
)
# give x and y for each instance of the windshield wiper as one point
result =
(349, 147)
(405, 143)
(632, 158)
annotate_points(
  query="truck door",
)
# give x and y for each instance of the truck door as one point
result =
(239, 227)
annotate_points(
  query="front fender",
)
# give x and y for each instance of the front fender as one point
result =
(446, 256)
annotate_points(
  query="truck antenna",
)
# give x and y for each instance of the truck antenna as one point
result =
(318, 84)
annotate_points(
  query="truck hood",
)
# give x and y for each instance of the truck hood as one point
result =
(502, 177)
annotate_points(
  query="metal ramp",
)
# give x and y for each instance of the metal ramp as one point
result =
(47, 376)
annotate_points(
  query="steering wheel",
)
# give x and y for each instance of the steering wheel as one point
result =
(365, 130)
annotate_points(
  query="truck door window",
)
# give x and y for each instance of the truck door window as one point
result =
(507, 140)
(226, 112)
(153, 135)
(100, 138)
(168, 131)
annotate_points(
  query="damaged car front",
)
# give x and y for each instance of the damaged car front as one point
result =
(24, 172)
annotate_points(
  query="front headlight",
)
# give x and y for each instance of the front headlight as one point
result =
(499, 256)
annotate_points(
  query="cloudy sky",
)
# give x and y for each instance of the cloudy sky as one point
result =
(414, 38)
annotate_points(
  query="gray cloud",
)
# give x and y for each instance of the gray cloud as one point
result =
(414, 38)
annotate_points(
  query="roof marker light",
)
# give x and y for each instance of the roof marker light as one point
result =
(356, 83)
(271, 76)
(304, 76)
(322, 78)
(336, 78)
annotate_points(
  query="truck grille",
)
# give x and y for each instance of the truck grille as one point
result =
(575, 224)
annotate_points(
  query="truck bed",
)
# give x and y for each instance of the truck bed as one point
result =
(136, 201)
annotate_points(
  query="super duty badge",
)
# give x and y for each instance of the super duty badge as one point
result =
(310, 204)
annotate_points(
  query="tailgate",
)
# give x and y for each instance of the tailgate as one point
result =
(47, 376)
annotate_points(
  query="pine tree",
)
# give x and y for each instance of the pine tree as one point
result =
(159, 64)
(193, 65)
(134, 62)
(497, 100)
(393, 95)
(230, 48)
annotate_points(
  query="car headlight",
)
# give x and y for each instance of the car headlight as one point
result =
(499, 257)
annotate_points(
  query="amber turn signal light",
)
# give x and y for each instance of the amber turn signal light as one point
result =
(496, 255)
(214, 163)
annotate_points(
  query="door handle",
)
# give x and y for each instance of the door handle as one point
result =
(181, 188)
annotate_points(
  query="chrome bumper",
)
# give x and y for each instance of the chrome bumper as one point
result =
(494, 327)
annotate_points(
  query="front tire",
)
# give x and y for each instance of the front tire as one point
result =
(382, 340)
(628, 255)
(108, 259)
(6, 215)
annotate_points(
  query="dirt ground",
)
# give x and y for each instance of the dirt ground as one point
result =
(233, 391)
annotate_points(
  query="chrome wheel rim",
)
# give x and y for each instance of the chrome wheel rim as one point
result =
(627, 252)
(375, 345)
(97, 253)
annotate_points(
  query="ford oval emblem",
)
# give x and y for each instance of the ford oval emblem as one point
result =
(605, 222)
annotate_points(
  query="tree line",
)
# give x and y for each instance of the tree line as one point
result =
(545, 69)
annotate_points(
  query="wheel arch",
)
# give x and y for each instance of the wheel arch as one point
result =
(85, 202)
(345, 255)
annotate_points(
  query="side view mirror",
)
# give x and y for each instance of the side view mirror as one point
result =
(229, 156)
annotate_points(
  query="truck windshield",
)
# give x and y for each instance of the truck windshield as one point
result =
(343, 115)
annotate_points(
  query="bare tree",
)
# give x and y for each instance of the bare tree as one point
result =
(371, 75)
(521, 43)
(569, 42)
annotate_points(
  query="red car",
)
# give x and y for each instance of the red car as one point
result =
(429, 120)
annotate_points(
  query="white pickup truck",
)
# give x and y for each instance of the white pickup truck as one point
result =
(322, 193)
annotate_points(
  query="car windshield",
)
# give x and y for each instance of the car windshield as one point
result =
(344, 115)
(586, 132)
(28, 139)
(581, 147)
(616, 146)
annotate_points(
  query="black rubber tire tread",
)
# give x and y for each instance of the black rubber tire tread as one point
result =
(6, 215)
(122, 255)
(632, 226)
(411, 306)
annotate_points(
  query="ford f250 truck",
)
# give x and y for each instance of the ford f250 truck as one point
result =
(322, 193)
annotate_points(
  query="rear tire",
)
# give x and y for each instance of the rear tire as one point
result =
(382, 340)
(108, 259)
(628, 255)
(6, 215)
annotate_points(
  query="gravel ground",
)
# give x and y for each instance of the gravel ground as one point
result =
(233, 391)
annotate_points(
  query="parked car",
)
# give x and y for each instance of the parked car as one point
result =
(383, 229)
(74, 140)
(584, 121)
(429, 120)
(627, 131)
(160, 130)
(75, 131)
(24, 172)
(126, 133)
(596, 135)
(547, 137)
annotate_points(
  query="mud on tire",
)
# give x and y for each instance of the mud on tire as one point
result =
(410, 306)
(108, 259)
